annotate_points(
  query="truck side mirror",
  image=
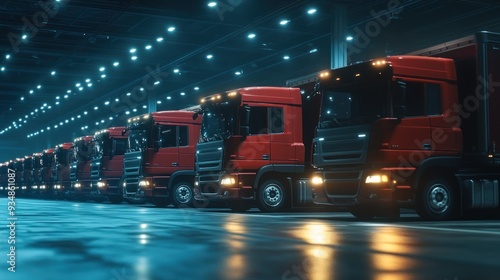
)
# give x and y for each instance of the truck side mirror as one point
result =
(195, 116)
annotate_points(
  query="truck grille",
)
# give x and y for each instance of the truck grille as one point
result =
(132, 163)
(95, 169)
(209, 156)
(72, 171)
(340, 146)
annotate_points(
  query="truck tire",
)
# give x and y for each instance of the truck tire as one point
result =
(272, 196)
(438, 200)
(182, 194)
(239, 206)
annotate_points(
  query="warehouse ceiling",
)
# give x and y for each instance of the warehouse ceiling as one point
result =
(71, 67)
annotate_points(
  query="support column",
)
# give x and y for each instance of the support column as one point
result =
(152, 102)
(338, 36)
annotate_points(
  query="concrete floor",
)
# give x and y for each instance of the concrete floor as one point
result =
(90, 241)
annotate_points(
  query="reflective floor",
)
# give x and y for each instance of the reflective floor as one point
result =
(87, 241)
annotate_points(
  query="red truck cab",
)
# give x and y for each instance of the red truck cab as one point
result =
(46, 182)
(159, 162)
(252, 148)
(412, 131)
(63, 156)
(81, 184)
(36, 173)
(107, 164)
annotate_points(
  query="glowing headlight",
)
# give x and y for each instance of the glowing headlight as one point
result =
(24, 187)
(316, 180)
(42, 187)
(57, 187)
(143, 183)
(34, 187)
(1, 188)
(196, 183)
(375, 179)
(101, 184)
(228, 181)
(78, 185)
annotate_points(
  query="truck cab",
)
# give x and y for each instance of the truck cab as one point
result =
(251, 149)
(28, 174)
(411, 131)
(159, 162)
(107, 164)
(83, 148)
(63, 156)
(46, 182)
(21, 189)
(36, 174)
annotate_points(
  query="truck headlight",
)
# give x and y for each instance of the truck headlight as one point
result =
(1, 188)
(101, 184)
(143, 183)
(24, 187)
(42, 187)
(377, 179)
(316, 181)
(227, 181)
(34, 187)
(78, 185)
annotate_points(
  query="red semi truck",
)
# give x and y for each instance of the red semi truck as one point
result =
(107, 164)
(412, 131)
(159, 162)
(46, 181)
(28, 174)
(21, 189)
(80, 167)
(63, 156)
(35, 174)
(253, 148)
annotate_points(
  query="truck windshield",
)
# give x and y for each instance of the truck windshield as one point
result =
(83, 150)
(37, 162)
(137, 140)
(99, 148)
(218, 123)
(47, 160)
(354, 103)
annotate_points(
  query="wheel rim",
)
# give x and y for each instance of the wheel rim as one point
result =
(439, 199)
(273, 195)
(183, 194)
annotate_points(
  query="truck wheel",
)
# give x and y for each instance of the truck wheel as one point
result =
(239, 206)
(271, 196)
(115, 199)
(182, 194)
(438, 200)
